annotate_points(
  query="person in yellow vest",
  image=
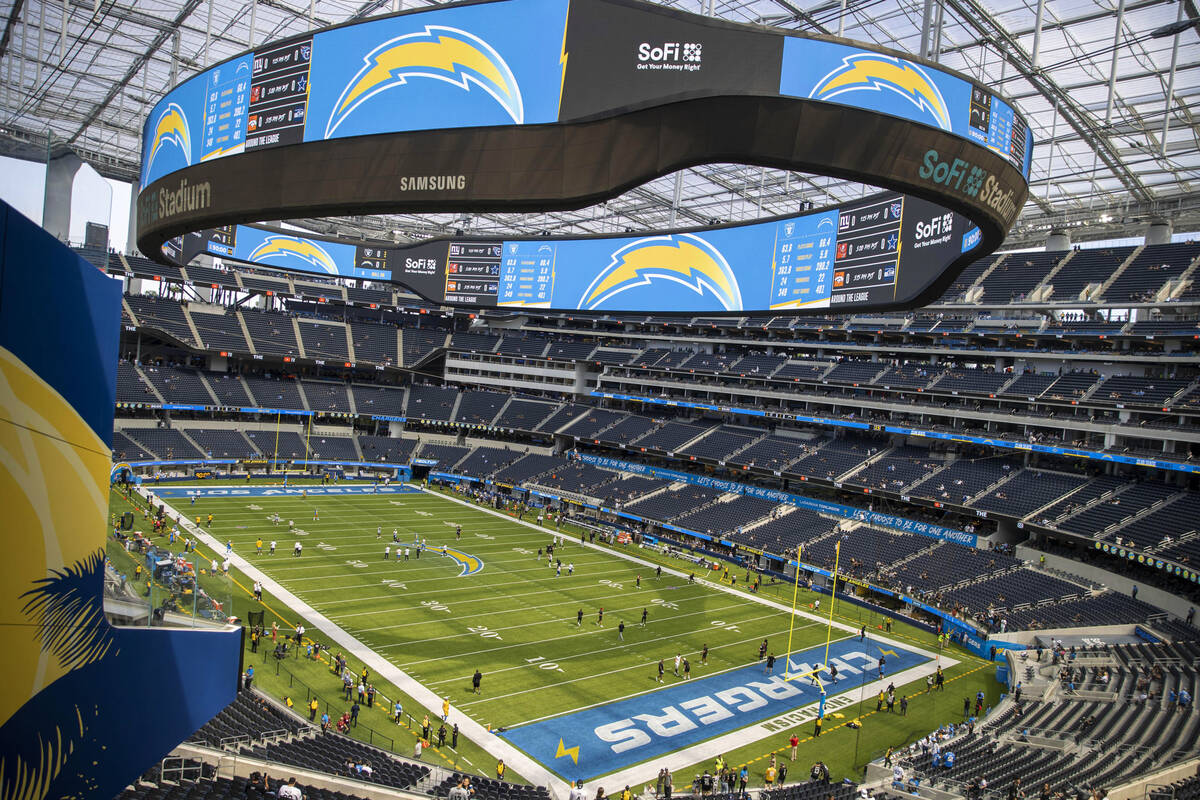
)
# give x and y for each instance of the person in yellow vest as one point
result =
(719, 765)
(500, 769)
(626, 794)
(312, 710)
(769, 777)
(258, 547)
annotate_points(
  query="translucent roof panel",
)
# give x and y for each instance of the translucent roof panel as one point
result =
(1109, 144)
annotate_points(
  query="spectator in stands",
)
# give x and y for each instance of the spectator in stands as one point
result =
(460, 792)
(290, 791)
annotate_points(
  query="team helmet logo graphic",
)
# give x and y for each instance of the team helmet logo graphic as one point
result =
(872, 72)
(171, 128)
(684, 259)
(440, 53)
(282, 248)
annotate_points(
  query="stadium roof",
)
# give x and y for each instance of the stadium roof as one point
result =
(1112, 152)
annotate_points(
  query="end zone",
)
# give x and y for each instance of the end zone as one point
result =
(736, 707)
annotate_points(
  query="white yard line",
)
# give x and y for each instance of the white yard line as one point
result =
(553, 620)
(429, 555)
(467, 588)
(399, 576)
(595, 630)
(644, 665)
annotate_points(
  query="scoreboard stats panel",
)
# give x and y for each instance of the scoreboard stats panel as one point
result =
(472, 272)
(226, 101)
(527, 274)
(279, 95)
(849, 256)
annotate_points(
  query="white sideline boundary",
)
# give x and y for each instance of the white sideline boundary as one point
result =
(525, 765)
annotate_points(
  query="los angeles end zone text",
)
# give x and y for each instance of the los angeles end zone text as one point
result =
(483, 82)
(620, 734)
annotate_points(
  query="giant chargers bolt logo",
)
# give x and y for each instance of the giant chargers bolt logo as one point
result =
(171, 128)
(285, 248)
(684, 259)
(439, 53)
(873, 72)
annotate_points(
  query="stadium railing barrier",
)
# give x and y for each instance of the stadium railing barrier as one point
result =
(335, 706)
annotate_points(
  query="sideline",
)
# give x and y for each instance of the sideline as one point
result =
(288, 624)
(524, 766)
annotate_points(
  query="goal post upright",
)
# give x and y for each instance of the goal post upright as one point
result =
(787, 658)
(837, 554)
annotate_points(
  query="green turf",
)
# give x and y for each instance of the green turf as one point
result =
(516, 622)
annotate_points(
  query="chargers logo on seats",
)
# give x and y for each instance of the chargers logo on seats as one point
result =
(279, 248)
(439, 53)
(662, 263)
(874, 72)
(470, 564)
(171, 129)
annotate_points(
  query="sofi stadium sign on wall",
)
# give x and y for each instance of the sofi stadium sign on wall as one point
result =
(537, 105)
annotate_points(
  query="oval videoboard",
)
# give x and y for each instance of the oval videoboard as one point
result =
(539, 105)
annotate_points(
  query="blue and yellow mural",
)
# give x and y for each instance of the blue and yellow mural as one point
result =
(73, 683)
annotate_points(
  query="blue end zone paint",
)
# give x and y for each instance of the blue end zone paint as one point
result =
(627, 732)
(176, 492)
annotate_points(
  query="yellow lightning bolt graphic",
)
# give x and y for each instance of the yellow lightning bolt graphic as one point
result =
(682, 257)
(470, 563)
(563, 59)
(297, 247)
(171, 122)
(573, 752)
(865, 71)
(445, 54)
(883, 652)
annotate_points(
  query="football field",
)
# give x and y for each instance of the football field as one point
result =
(551, 681)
